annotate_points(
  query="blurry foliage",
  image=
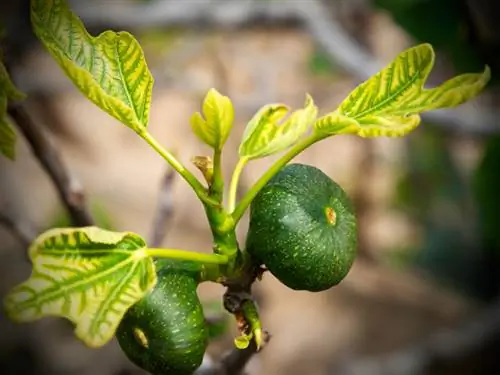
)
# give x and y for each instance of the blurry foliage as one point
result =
(321, 64)
(102, 217)
(157, 43)
(446, 24)
(459, 248)
(220, 319)
(486, 188)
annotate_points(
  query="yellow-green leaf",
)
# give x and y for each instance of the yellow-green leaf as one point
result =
(88, 275)
(7, 92)
(242, 342)
(366, 127)
(268, 134)
(110, 69)
(389, 103)
(215, 128)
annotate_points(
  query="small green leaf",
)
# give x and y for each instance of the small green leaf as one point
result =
(88, 275)
(389, 103)
(7, 92)
(110, 69)
(242, 342)
(215, 128)
(266, 135)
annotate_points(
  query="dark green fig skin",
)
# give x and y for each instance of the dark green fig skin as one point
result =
(291, 233)
(171, 320)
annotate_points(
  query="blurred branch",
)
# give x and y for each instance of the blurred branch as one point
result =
(164, 209)
(68, 187)
(311, 14)
(23, 230)
(440, 349)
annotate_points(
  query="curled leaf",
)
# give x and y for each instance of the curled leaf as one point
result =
(215, 128)
(88, 275)
(242, 342)
(268, 134)
(206, 166)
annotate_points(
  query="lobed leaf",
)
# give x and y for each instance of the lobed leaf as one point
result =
(88, 275)
(215, 128)
(266, 135)
(110, 69)
(7, 92)
(389, 103)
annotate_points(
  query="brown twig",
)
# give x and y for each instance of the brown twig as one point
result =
(164, 210)
(69, 189)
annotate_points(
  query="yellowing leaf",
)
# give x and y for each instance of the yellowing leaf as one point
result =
(88, 275)
(7, 135)
(335, 123)
(215, 128)
(389, 103)
(110, 69)
(265, 134)
(366, 127)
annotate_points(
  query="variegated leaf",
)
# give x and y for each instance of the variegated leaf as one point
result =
(88, 275)
(110, 69)
(268, 134)
(389, 103)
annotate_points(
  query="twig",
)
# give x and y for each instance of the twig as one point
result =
(469, 118)
(233, 362)
(164, 209)
(24, 231)
(69, 189)
(444, 347)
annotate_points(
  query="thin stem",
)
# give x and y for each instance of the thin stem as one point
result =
(186, 174)
(250, 195)
(187, 255)
(233, 188)
(217, 186)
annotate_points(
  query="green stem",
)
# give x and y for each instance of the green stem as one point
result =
(187, 255)
(217, 187)
(280, 163)
(233, 187)
(186, 174)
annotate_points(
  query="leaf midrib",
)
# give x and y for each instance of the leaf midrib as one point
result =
(94, 279)
(130, 103)
(389, 98)
(111, 299)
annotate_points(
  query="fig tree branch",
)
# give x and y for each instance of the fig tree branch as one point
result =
(24, 231)
(164, 210)
(68, 187)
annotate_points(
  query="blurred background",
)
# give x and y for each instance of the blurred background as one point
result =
(423, 296)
